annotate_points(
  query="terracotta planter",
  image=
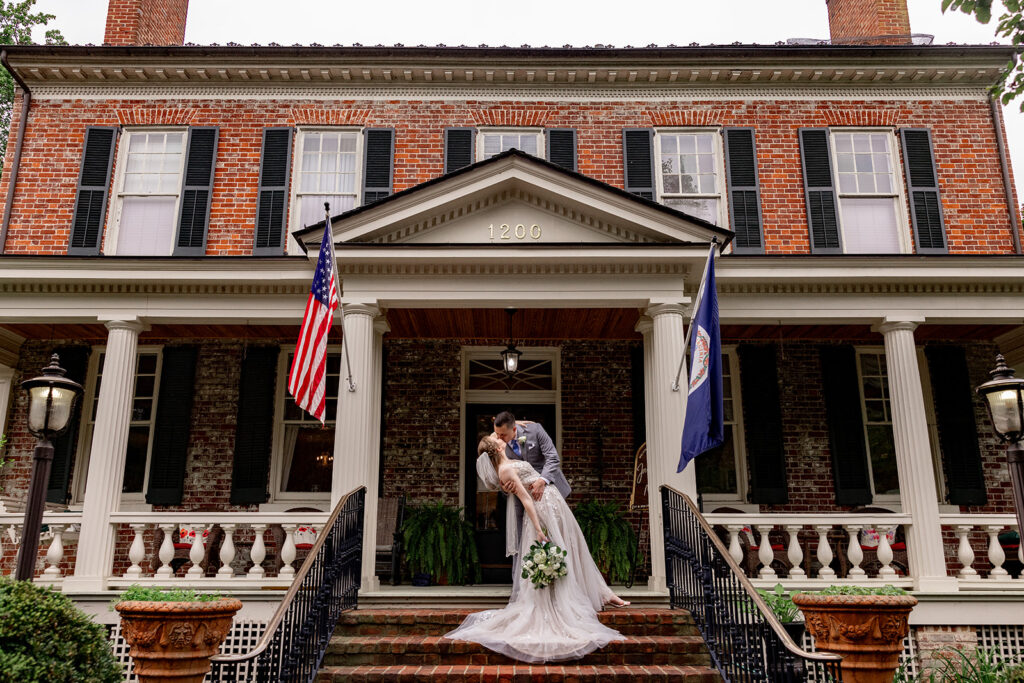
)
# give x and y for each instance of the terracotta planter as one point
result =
(867, 630)
(172, 642)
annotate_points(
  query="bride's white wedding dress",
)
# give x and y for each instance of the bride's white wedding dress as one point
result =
(554, 623)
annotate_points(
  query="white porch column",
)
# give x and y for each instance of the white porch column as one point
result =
(663, 347)
(914, 457)
(106, 458)
(357, 432)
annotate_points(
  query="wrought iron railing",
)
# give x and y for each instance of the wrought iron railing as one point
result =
(293, 645)
(746, 640)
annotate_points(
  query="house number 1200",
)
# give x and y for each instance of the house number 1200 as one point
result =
(519, 231)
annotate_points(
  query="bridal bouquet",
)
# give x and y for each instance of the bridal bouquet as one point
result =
(544, 563)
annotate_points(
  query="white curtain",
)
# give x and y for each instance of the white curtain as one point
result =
(869, 226)
(147, 226)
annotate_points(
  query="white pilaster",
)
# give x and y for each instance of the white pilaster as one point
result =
(6, 378)
(914, 457)
(357, 432)
(106, 458)
(663, 347)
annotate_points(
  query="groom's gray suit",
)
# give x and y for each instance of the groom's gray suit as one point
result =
(540, 452)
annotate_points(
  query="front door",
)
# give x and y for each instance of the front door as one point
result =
(486, 509)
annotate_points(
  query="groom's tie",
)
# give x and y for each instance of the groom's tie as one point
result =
(515, 448)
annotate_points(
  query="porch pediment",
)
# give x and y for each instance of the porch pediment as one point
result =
(519, 200)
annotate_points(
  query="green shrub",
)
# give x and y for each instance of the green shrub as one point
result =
(157, 594)
(1014, 674)
(440, 543)
(44, 638)
(609, 536)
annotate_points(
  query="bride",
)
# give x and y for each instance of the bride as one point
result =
(541, 624)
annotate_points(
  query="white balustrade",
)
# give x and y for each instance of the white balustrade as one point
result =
(227, 552)
(288, 549)
(971, 532)
(764, 552)
(854, 551)
(794, 553)
(258, 553)
(965, 554)
(137, 552)
(824, 552)
(59, 527)
(55, 553)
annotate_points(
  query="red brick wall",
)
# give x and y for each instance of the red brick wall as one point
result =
(146, 22)
(875, 22)
(973, 197)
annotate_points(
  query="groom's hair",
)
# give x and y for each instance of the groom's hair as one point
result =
(504, 419)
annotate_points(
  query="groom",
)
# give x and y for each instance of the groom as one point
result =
(528, 441)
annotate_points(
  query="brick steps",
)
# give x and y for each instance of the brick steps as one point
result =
(520, 673)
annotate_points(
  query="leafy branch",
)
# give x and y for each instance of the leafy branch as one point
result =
(1010, 25)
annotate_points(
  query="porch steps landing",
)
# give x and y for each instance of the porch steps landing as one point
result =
(407, 645)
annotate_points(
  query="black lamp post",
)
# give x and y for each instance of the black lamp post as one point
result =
(1005, 402)
(510, 356)
(51, 401)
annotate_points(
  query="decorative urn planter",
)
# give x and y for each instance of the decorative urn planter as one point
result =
(867, 630)
(172, 642)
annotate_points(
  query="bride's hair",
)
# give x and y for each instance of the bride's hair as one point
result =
(489, 445)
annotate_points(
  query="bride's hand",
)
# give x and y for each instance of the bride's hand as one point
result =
(542, 537)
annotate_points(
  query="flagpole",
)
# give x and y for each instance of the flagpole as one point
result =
(341, 306)
(693, 313)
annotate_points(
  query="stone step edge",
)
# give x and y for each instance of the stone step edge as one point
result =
(441, 616)
(509, 672)
(416, 643)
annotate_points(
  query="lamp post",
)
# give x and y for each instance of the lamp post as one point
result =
(51, 401)
(1004, 398)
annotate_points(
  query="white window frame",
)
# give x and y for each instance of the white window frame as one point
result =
(482, 133)
(121, 165)
(718, 149)
(885, 499)
(295, 219)
(739, 442)
(83, 451)
(898, 195)
(283, 500)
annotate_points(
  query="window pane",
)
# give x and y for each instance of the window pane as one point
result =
(135, 462)
(528, 143)
(142, 410)
(716, 469)
(869, 226)
(861, 143)
(669, 144)
(843, 142)
(312, 454)
(706, 209)
(883, 459)
(147, 226)
(671, 184)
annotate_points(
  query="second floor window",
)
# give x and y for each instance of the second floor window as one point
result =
(148, 193)
(328, 171)
(493, 142)
(689, 173)
(868, 192)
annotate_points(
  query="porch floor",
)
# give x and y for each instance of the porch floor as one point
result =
(484, 596)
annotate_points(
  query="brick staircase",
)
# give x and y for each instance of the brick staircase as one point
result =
(406, 645)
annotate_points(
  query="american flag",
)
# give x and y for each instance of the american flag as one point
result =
(308, 379)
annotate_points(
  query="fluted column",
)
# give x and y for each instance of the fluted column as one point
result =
(106, 457)
(663, 347)
(6, 378)
(914, 458)
(357, 433)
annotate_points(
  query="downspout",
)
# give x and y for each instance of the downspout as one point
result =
(997, 122)
(26, 99)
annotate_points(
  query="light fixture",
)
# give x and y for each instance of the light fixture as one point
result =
(51, 403)
(510, 356)
(1005, 403)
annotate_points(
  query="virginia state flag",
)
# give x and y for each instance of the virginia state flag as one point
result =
(703, 428)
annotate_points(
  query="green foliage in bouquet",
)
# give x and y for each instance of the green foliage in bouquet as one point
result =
(544, 563)
(439, 542)
(44, 638)
(609, 536)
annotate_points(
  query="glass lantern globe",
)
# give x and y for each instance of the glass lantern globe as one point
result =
(1003, 398)
(510, 359)
(51, 400)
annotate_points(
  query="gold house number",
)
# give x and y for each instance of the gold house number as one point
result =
(518, 231)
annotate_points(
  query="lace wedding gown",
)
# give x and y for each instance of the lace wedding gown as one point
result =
(554, 623)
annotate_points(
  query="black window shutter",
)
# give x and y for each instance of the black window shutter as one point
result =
(255, 425)
(458, 148)
(819, 191)
(91, 195)
(74, 359)
(850, 473)
(744, 190)
(196, 188)
(561, 147)
(378, 166)
(638, 160)
(762, 423)
(272, 198)
(172, 426)
(958, 433)
(923, 188)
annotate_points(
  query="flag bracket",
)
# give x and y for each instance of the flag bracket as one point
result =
(693, 313)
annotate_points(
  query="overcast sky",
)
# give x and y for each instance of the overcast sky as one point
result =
(525, 22)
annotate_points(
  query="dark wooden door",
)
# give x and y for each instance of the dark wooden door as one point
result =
(486, 509)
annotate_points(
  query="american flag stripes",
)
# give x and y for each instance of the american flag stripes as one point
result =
(308, 379)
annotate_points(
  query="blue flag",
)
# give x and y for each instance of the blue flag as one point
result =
(703, 429)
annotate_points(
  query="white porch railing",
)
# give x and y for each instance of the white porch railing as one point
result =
(58, 527)
(981, 555)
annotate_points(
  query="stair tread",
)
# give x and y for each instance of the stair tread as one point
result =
(413, 641)
(411, 616)
(524, 672)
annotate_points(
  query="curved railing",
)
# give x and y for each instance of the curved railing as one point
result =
(746, 640)
(293, 645)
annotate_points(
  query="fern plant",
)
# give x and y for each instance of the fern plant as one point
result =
(439, 542)
(609, 536)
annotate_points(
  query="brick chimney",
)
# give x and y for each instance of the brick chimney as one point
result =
(145, 22)
(869, 22)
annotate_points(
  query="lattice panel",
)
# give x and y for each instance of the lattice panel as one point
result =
(1007, 642)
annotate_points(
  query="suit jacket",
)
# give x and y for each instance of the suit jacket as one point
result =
(541, 453)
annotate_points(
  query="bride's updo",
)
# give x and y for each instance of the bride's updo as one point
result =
(493, 447)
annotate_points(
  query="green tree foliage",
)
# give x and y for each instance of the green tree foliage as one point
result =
(1010, 25)
(16, 23)
(44, 638)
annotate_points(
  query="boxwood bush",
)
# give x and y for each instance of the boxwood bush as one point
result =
(44, 638)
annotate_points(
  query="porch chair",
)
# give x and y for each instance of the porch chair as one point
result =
(390, 515)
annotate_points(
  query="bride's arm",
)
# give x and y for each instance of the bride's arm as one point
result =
(508, 474)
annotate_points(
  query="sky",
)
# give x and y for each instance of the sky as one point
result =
(527, 22)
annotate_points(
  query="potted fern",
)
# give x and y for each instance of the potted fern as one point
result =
(610, 537)
(781, 604)
(440, 543)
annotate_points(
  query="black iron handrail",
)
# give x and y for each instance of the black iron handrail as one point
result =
(746, 640)
(295, 640)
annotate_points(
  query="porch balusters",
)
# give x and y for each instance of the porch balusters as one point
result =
(258, 552)
(288, 549)
(166, 553)
(965, 553)
(137, 552)
(854, 552)
(765, 553)
(996, 555)
(227, 552)
(824, 552)
(55, 553)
